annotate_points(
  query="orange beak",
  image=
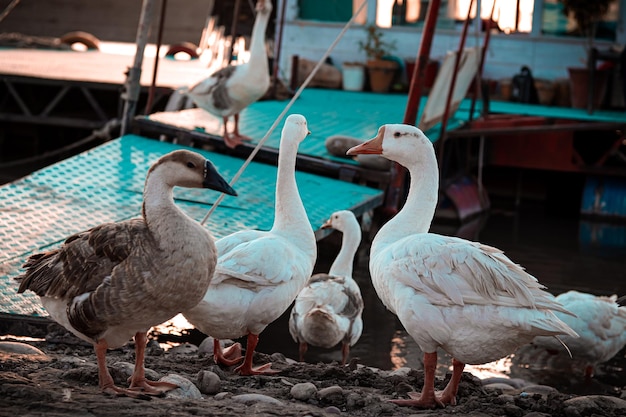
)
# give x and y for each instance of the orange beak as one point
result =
(373, 146)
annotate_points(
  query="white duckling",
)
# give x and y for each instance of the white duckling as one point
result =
(600, 323)
(465, 297)
(328, 310)
(260, 273)
(233, 88)
(117, 280)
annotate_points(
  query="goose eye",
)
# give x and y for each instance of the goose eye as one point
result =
(191, 165)
(396, 134)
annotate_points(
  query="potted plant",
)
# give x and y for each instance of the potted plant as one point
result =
(587, 14)
(381, 71)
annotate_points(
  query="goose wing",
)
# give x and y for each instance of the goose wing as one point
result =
(452, 271)
(84, 260)
(266, 261)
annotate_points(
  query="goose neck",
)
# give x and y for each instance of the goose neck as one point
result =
(159, 211)
(257, 40)
(343, 263)
(290, 215)
(418, 211)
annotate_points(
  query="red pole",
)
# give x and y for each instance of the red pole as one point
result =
(398, 173)
(446, 110)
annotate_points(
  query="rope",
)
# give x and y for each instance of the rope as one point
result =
(286, 109)
(9, 9)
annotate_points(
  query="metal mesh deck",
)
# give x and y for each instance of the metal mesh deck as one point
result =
(106, 183)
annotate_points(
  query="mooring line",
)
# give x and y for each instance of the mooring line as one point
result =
(286, 109)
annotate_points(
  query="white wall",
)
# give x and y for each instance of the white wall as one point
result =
(548, 57)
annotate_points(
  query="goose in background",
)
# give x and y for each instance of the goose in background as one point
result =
(233, 88)
(115, 281)
(465, 297)
(260, 273)
(601, 324)
(328, 310)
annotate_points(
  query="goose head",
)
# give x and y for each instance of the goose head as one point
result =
(295, 128)
(264, 7)
(339, 220)
(188, 169)
(404, 144)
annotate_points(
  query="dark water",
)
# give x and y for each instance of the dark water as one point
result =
(562, 252)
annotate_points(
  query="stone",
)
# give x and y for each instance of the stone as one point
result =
(184, 348)
(303, 391)
(255, 398)
(209, 382)
(186, 388)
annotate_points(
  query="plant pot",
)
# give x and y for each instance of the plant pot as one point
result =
(353, 76)
(579, 87)
(430, 73)
(381, 73)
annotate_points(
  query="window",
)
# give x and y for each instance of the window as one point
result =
(510, 15)
(331, 10)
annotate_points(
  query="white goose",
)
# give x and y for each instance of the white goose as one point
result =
(117, 280)
(328, 310)
(601, 324)
(465, 297)
(260, 273)
(233, 88)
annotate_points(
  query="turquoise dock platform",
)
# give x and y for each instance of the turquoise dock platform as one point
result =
(105, 184)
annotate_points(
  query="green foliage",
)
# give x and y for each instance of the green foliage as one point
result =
(374, 46)
(586, 13)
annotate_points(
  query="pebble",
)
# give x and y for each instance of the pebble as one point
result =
(206, 346)
(222, 395)
(255, 398)
(594, 404)
(20, 348)
(332, 410)
(303, 391)
(514, 382)
(209, 382)
(331, 394)
(403, 372)
(543, 390)
(184, 348)
(121, 371)
(498, 385)
(186, 388)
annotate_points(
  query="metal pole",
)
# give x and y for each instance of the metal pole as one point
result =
(233, 29)
(398, 173)
(155, 70)
(446, 110)
(277, 48)
(132, 86)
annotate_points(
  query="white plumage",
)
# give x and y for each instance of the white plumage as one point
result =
(260, 273)
(233, 88)
(328, 310)
(601, 324)
(465, 297)
(117, 280)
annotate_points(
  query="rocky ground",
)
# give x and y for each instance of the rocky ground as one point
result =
(58, 377)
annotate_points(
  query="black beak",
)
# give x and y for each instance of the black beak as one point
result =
(214, 181)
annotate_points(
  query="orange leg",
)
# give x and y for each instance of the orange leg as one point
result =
(302, 350)
(449, 393)
(345, 352)
(238, 135)
(106, 383)
(427, 398)
(138, 381)
(229, 356)
(246, 367)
